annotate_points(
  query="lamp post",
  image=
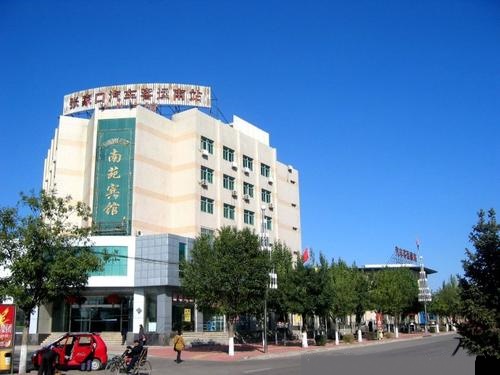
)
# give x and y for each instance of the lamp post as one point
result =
(272, 283)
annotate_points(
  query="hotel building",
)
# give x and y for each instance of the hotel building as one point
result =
(155, 182)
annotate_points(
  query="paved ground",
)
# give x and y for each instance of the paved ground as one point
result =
(244, 353)
(247, 352)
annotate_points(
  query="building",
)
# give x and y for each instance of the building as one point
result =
(154, 183)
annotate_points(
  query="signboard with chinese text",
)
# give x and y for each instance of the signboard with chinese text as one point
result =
(145, 94)
(405, 254)
(187, 315)
(7, 325)
(113, 176)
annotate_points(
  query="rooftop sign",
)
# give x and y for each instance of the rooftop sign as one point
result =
(146, 94)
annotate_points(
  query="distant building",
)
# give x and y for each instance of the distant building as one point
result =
(411, 266)
(154, 183)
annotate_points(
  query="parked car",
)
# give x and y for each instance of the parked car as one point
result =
(75, 349)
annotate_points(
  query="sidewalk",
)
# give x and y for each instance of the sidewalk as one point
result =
(219, 353)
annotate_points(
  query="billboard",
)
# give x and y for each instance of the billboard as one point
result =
(145, 94)
(7, 325)
(112, 209)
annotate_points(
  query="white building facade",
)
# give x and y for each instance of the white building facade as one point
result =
(154, 183)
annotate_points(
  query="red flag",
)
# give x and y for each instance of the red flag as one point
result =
(305, 255)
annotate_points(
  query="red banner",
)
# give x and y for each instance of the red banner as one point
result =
(7, 325)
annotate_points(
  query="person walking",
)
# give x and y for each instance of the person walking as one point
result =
(179, 345)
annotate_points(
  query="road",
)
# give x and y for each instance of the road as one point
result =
(429, 356)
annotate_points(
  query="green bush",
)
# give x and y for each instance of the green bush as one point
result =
(389, 335)
(320, 340)
(348, 338)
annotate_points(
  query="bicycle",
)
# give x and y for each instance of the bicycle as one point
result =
(119, 364)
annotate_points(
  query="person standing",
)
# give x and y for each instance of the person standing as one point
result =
(179, 345)
(124, 335)
(142, 335)
(48, 362)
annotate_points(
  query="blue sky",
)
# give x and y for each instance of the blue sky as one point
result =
(388, 109)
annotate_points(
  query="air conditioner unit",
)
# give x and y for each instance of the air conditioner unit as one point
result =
(204, 152)
(270, 181)
(246, 197)
(246, 170)
(234, 165)
(204, 183)
(235, 193)
(270, 206)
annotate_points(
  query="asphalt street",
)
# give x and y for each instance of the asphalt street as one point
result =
(428, 355)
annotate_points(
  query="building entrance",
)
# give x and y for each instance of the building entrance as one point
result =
(99, 317)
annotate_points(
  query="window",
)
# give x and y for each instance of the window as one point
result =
(207, 232)
(265, 170)
(248, 189)
(266, 196)
(269, 222)
(182, 251)
(248, 217)
(228, 182)
(207, 205)
(182, 256)
(228, 154)
(228, 211)
(247, 162)
(116, 265)
(207, 144)
(207, 174)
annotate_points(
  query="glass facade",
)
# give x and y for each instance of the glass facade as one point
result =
(116, 264)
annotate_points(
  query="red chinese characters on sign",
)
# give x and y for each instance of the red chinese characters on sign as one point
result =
(116, 94)
(130, 94)
(7, 325)
(99, 98)
(195, 95)
(162, 93)
(179, 94)
(405, 254)
(146, 93)
(86, 100)
(74, 102)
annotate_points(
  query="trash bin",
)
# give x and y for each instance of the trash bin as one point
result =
(5, 359)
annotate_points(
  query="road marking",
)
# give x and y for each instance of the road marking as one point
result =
(257, 370)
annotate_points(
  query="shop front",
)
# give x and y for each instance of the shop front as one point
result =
(110, 313)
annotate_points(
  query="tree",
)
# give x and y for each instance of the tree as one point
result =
(279, 299)
(446, 301)
(393, 290)
(227, 274)
(344, 298)
(45, 255)
(480, 290)
(362, 294)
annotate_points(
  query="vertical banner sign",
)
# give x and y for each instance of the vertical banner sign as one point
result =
(187, 315)
(7, 325)
(113, 176)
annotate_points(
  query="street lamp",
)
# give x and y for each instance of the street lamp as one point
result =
(272, 283)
